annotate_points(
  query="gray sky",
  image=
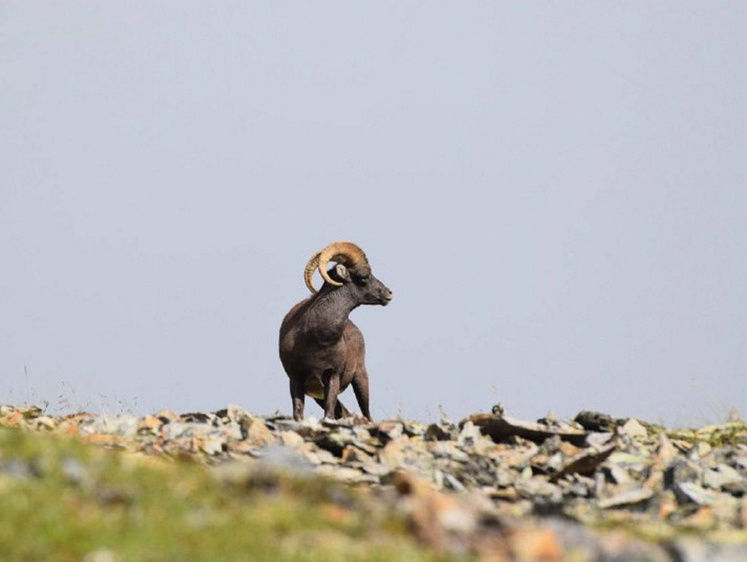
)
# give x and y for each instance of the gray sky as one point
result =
(554, 191)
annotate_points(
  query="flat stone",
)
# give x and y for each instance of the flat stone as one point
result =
(595, 421)
(517, 457)
(232, 431)
(355, 458)
(31, 412)
(619, 475)
(468, 435)
(447, 449)
(324, 456)
(276, 457)
(503, 477)
(533, 488)
(212, 445)
(258, 433)
(343, 474)
(681, 470)
(334, 442)
(291, 439)
(499, 428)
(586, 462)
(304, 429)
(691, 550)
(435, 432)
(699, 451)
(692, 492)
(234, 413)
(240, 448)
(361, 433)
(167, 415)
(149, 425)
(450, 482)
(634, 428)
(666, 452)
(577, 485)
(626, 498)
(110, 425)
(393, 452)
(636, 462)
(197, 417)
(388, 430)
(598, 439)
(414, 429)
(720, 477)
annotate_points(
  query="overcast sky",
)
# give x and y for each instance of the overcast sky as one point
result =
(555, 192)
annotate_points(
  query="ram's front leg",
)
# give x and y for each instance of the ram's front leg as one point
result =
(331, 392)
(360, 386)
(297, 397)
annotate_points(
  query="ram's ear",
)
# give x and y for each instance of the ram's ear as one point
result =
(342, 272)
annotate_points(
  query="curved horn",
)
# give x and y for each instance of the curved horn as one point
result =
(308, 271)
(343, 252)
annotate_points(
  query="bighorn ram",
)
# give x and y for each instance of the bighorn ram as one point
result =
(322, 351)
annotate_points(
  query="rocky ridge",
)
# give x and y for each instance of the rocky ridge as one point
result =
(595, 488)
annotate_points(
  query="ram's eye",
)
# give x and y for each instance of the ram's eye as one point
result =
(363, 279)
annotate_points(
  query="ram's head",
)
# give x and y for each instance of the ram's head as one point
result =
(351, 270)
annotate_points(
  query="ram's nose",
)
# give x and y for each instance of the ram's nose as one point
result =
(387, 296)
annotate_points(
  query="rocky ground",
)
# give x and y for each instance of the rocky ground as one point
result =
(489, 486)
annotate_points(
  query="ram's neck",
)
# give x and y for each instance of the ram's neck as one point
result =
(329, 314)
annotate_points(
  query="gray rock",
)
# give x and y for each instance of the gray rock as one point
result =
(302, 428)
(469, 435)
(278, 457)
(691, 550)
(413, 429)
(626, 498)
(388, 430)
(578, 486)
(598, 440)
(503, 477)
(534, 488)
(721, 477)
(435, 432)
(692, 492)
(595, 421)
(213, 445)
(699, 451)
(500, 428)
(681, 470)
(451, 483)
(74, 471)
(633, 428)
(125, 426)
(586, 462)
(16, 468)
(618, 475)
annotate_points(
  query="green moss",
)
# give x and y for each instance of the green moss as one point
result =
(62, 500)
(721, 435)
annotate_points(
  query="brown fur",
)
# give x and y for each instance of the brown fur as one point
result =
(321, 350)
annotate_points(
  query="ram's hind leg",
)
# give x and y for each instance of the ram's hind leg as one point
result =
(340, 410)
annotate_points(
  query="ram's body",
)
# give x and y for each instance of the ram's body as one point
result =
(321, 350)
